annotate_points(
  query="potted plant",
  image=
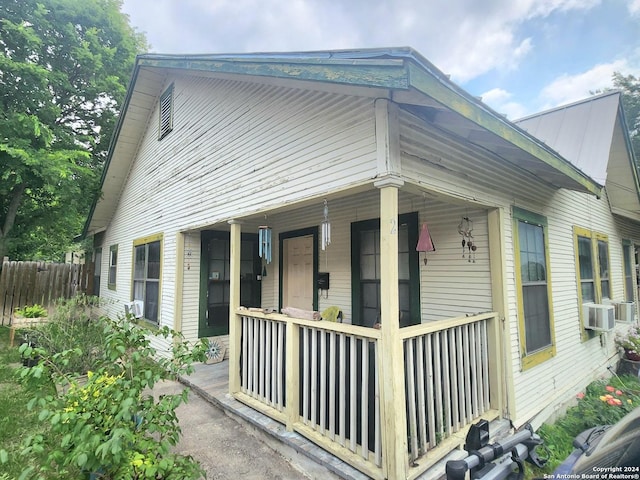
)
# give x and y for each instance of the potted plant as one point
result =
(629, 342)
(26, 317)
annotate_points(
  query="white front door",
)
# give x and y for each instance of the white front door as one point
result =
(297, 280)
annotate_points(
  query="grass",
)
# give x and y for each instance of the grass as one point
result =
(603, 402)
(16, 421)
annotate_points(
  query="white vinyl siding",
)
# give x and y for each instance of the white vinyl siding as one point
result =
(239, 147)
(450, 286)
(245, 150)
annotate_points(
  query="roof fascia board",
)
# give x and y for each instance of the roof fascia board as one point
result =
(114, 139)
(384, 73)
(432, 86)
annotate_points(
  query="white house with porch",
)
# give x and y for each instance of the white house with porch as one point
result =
(239, 185)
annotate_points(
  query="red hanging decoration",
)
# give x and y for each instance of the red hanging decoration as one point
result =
(425, 242)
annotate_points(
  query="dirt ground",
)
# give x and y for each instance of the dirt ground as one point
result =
(225, 448)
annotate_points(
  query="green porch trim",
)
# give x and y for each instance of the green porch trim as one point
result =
(206, 236)
(529, 217)
(411, 219)
(462, 104)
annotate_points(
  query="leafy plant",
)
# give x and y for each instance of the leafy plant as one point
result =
(32, 311)
(75, 322)
(602, 403)
(112, 424)
(15, 422)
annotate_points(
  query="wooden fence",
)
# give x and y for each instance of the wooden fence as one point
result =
(28, 283)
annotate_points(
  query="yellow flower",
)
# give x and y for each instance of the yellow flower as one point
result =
(603, 398)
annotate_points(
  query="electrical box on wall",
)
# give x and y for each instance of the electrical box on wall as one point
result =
(323, 280)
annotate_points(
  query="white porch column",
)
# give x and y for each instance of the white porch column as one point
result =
(235, 326)
(391, 358)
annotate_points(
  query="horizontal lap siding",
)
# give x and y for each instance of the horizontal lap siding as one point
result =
(551, 383)
(191, 286)
(235, 148)
(450, 285)
(432, 160)
(455, 167)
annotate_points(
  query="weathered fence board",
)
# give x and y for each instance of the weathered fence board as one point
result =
(28, 283)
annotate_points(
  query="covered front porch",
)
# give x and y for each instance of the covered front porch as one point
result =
(389, 401)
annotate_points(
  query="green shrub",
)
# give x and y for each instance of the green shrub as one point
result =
(32, 311)
(75, 322)
(111, 424)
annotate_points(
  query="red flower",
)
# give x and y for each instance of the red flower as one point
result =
(609, 388)
(618, 392)
(580, 395)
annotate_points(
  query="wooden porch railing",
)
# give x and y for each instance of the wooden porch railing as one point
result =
(447, 380)
(321, 379)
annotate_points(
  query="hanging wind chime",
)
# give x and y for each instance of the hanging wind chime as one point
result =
(326, 228)
(465, 227)
(264, 247)
(425, 242)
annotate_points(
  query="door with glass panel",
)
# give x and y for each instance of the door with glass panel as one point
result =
(215, 280)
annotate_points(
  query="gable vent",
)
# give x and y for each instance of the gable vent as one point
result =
(166, 113)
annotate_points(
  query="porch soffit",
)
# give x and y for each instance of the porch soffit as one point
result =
(467, 118)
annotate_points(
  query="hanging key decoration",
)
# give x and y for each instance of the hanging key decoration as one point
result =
(465, 227)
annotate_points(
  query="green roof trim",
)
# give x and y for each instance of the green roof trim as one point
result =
(471, 109)
(384, 74)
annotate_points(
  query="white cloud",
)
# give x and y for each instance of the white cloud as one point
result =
(570, 88)
(464, 38)
(500, 100)
(634, 7)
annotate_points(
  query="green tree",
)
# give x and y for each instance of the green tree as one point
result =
(630, 88)
(64, 67)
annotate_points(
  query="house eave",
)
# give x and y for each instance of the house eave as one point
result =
(542, 159)
(397, 71)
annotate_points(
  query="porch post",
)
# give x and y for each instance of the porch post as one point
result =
(500, 381)
(391, 357)
(235, 327)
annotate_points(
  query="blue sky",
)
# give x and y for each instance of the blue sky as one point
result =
(521, 56)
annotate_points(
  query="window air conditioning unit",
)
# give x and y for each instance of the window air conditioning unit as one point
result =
(598, 317)
(135, 308)
(625, 311)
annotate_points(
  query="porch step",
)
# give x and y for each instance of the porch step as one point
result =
(312, 460)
